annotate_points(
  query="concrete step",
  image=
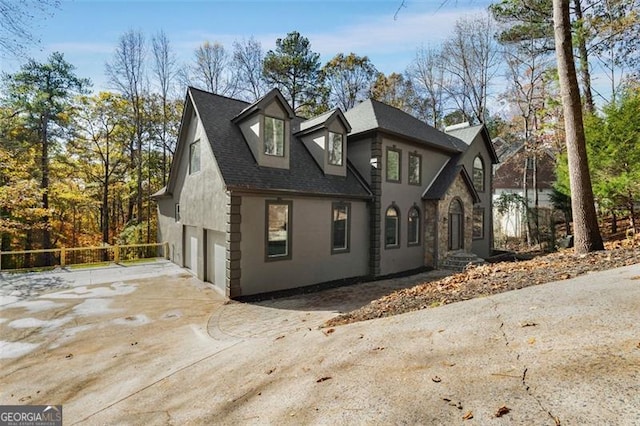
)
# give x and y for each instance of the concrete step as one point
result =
(459, 261)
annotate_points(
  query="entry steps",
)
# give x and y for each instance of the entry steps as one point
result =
(459, 260)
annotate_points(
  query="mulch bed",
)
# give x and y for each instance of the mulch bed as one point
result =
(494, 278)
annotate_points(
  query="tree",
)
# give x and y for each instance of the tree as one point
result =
(587, 234)
(293, 67)
(349, 80)
(126, 73)
(614, 155)
(99, 150)
(43, 93)
(614, 27)
(472, 58)
(529, 22)
(20, 195)
(429, 81)
(211, 69)
(164, 68)
(247, 63)
(393, 90)
(16, 18)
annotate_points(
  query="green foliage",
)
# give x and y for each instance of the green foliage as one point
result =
(42, 96)
(530, 23)
(293, 67)
(613, 146)
(509, 201)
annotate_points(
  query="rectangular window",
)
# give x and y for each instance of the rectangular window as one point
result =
(478, 223)
(335, 148)
(340, 228)
(194, 157)
(415, 169)
(177, 212)
(393, 165)
(278, 229)
(273, 136)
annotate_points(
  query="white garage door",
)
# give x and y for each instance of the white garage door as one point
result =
(191, 244)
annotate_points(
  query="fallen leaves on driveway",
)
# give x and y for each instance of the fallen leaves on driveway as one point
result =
(502, 411)
(493, 278)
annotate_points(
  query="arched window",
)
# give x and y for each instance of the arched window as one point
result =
(413, 226)
(392, 227)
(478, 173)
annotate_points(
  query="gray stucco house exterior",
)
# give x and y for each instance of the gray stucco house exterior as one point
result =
(260, 200)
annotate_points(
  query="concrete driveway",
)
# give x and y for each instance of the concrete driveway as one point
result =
(168, 349)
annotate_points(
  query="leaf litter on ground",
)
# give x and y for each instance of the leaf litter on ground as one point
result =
(493, 278)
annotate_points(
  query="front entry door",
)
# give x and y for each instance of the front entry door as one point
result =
(456, 225)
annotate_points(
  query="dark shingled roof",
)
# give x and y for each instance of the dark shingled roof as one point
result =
(445, 179)
(239, 168)
(373, 115)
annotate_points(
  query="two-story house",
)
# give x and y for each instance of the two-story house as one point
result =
(259, 200)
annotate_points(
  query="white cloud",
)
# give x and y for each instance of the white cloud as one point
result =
(383, 34)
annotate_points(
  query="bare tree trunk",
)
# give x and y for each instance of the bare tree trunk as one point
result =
(525, 193)
(585, 222)
(585, 73)
(536, 198)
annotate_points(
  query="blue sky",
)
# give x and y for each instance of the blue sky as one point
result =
(87, 31)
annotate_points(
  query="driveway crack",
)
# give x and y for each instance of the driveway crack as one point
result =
(525, 384)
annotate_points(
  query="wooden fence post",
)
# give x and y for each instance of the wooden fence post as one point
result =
(62, 257)
(116, 254)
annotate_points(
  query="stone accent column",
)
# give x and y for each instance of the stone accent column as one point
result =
(234, 254)
(375, 215)
(430, 233)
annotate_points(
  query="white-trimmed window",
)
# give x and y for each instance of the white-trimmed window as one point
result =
(335, 148)
(478, 174)
(392, 227)
(194, 157)
(278, 230)
(340, 227)
(413, 226)
(274, 136)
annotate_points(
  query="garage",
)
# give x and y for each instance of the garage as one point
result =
(215, 259)
(191, 244)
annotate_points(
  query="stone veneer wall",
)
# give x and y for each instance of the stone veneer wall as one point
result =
(376, 215)
(457, 190)
(233, 247)
(430, 232)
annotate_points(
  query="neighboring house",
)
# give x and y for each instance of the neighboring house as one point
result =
(259, 200)
(517, 173)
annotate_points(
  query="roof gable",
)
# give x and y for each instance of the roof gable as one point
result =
(262, 103)
(323, 120)
(468, 134)
(438, 189)
(372, 115)
(239, 168)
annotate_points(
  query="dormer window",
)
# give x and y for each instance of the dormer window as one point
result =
(274, 136)
(335, 148)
